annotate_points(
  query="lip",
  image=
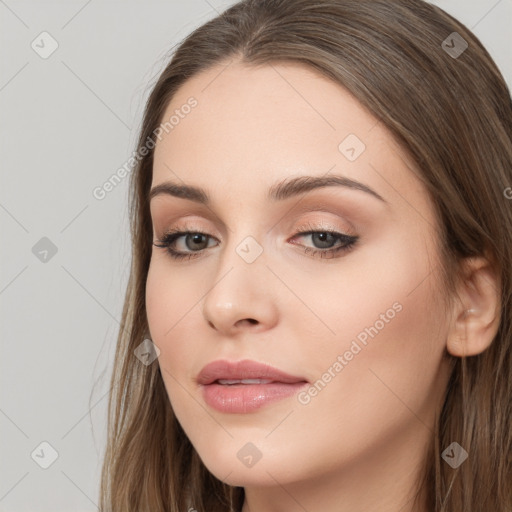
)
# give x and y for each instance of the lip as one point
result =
(244, 398)
(246, 369)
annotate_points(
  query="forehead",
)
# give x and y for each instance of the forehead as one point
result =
(258, 125)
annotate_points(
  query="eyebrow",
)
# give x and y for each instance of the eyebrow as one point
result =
(285, 189)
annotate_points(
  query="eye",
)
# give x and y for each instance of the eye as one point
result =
(197, 242)
(193, 239)
(325, 238)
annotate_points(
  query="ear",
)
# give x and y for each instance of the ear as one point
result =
(476, 316)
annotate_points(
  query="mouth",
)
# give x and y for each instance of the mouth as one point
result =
(244, 372)
(245, 386)
(231, 382)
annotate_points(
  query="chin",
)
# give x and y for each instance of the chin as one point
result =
(247, 466)
(236, 475)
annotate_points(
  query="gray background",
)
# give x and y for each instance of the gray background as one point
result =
(68, 122)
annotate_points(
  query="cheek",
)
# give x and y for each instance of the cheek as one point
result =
(169, 300)
(166, 314)
(173, 302)
(386, 314)
(376, 327)
(382, 295)
(169, 315)
(159, 303)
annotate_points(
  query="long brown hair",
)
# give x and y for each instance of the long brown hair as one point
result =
(453, 115)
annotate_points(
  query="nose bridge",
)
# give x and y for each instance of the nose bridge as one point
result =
(244, 238)
(239, 288)
(241, 261)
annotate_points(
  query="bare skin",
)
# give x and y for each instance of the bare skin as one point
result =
(359, 443)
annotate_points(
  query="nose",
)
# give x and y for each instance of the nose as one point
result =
(240, 296)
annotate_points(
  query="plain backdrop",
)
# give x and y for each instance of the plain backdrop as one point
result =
(68, 121)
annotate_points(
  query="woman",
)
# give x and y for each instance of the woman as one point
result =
(318, 311)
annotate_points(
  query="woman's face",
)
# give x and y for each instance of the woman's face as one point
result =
(361, 326)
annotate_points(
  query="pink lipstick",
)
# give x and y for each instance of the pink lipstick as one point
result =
(244, 386)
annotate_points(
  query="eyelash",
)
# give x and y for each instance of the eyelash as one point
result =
(171, 236)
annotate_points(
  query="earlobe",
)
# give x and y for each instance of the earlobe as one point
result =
(476, 316)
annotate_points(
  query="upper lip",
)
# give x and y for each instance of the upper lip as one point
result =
(246, 369)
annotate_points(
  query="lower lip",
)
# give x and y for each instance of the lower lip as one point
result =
(243, 398)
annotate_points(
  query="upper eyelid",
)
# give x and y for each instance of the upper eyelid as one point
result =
(318, 208)
(311, 205)
(302, 227)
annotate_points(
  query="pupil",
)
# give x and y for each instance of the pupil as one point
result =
(196, 238)
(323, 238)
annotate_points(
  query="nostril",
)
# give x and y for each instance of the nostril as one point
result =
(248, 320)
